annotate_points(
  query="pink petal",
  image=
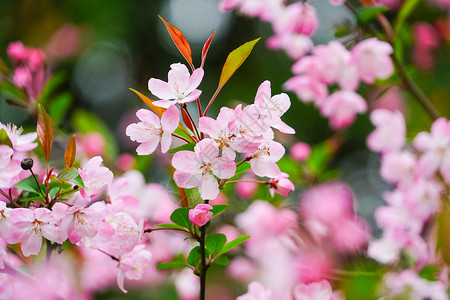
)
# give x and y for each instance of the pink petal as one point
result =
(223, 168)
(194, 80)
(186, 180)
(208, 188)
(161, 89)
(148, 117)
(263, 94)
(148, 147)
(53, 233)
(263, 167)
(166, 141)
(192, 96)
(186, 161)
(170, 119)
(31, 245)
(178, 76)
(209, 126)
(206, 150)
(43, 215)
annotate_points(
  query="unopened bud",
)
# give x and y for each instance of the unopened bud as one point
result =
(27, 163)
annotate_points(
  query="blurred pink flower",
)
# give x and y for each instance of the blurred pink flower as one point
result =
(201, 214)
(341, 107)
(389, 133)
(132, 265)
(281, 185)
(22, 77)
(180, 88)
(125, 162)
(300, 151)
(17, 51)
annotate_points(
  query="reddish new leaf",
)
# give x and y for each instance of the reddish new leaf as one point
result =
(183, 197)
(69, 155)
(179, 40)
(187, 120)
(206, 48)
(158, 110)
(234, 60)
(45, 131)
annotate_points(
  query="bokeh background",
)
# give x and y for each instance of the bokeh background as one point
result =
(100, 49)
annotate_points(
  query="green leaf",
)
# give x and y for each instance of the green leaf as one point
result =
(59, 107)
(405, 11)
(170, 265)
(233, 244)
(342, 31)
(4, 138)
(234, 60)
(78, 181)
(189, 147)
(368, 13)
(34, 198)
(219, 208)
(242, 168)
(222, 261)
(320, 156)
(194, 256)
(170, 226)
(29, 184)
(430, 272)
(54, 188)
(45, 130)
(51, 86)
(180, 216)
(10, 91)
(68, 174)
(215, 242)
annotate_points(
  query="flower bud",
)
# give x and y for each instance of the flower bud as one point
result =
(26, 163)
(201, 214)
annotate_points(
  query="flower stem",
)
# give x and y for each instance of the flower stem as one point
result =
(203, 267)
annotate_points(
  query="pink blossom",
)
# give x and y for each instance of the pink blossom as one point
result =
(94, 177)
(389, 133)
(339, 67)
(4, 220)
(220, 133)
(21, 142)
(300, 151)
(341, 107)
(372, 57)
(201, 214)
(180, 88)
(22, 77)
(263, 161)
(81, 221)
(257, 291)
(435, 148)
(397, 166)
(313, 265)
(336, 2)
(125, 162)
(93, 144)
(132, 265)
(296, 45)
(10, 167)
(151, 130)
(307, 88)
(199, 167)
(298, 18)
(271, 108)
(36, 59)
(28, 228)
(281, 185)
(17, 51)
(314, 291)
(246, 189)
(186, 284)
(242, 269)
(247, 125)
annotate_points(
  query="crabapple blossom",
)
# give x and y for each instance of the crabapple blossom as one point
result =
(257, 291)
(389, 133)
(181, 87)
(372, 57)
(220, 133)
(295, 45)
(22, 77)
(28, 227)
(199, 167)
(246, 187)
(17, 51)
(132, 264)
(201, 214)
(263, 161)
(298, 18)
(307, 88)
(81, 221)
(20, 142)
(94, 177)
(10, 167)
(150, 131)
(397, 166)
(281, 185)
(4, 220)
(341, 107)
(320, 290)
